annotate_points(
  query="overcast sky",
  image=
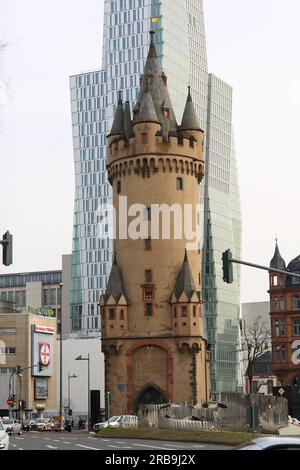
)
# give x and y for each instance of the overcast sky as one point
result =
(254, 46)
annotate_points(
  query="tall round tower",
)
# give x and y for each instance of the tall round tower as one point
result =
(152, 325)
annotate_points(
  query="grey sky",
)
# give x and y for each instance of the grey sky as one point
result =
(251, 45)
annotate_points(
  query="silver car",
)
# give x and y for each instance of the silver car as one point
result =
(12, 426)
(271, 443)
(4, 438)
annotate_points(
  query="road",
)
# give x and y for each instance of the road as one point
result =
(85, 441)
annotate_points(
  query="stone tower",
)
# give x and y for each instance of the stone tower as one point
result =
(151, 313)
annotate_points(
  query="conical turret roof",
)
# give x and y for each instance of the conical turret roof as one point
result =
(185, 282)
(115, 286)
(147, 111)
(190, 120)
(277, 262)
(118, 123)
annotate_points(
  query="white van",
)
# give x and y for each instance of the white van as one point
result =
(121, 421)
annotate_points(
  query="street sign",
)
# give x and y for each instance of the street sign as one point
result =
(281, 391)
(9, 402)
(45, 354)
(121, 387)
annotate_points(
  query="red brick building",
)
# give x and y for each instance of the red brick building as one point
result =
(285, 319)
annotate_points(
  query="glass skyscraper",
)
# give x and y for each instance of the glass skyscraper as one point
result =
(181, 45)
(222, 230)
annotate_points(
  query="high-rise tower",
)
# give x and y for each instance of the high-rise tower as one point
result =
(181, 47)
(151, 313)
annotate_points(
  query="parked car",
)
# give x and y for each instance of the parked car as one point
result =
(43, 424)
(4, 438)
(12, 426)
(28, 425)
(271, 443)
(117, 421)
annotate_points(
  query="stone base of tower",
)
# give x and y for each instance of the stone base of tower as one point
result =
(155, 371)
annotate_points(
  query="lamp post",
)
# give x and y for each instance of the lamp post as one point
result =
(60, 361)
(73, 376)
(80, 358)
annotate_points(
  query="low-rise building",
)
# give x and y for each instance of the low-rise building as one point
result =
(28, 340)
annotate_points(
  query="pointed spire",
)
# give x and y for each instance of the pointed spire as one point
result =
(115, 286)
(190, 120)
(154, 81)
(277, 262)
(185, 282)
(118, 123)
(147, 111)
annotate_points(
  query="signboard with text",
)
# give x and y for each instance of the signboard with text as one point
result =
(45, 354)
(42, 350)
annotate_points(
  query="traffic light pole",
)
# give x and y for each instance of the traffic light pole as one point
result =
(7, 243)
(227, 267)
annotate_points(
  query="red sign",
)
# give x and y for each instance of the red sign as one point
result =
(44, 329)
(45, 353)
(9, 402)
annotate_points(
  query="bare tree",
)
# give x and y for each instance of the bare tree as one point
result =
(255, 338)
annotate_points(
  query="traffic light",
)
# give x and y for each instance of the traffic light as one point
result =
(24, 405)
(70, 412)
(41, 366)
(7, 242)
(227, 267)
(19, 370)
(109, 398)
(13, 397)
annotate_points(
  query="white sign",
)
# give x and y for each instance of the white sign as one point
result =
(45, 354)
(281, 391)
(44, 329)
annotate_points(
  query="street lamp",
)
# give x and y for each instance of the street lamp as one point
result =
(73, 376)
(60, 361)
(80, 358)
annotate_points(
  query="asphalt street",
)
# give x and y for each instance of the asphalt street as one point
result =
(85, 441)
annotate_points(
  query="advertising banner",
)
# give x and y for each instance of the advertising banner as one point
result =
(42, 351)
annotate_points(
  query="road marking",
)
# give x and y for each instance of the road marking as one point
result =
(20, 448)
(69, 443)
(56, 440)
(86, 447)
(94, 438)
(14, 445)
(152, 447)
(198, 447)
(20, 438)
(51, 447)
(120, 442)
(114, 447)
(47, 438)
(105, 440)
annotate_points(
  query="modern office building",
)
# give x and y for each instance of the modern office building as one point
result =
(222, 230)
(39, 291)
(181, 45)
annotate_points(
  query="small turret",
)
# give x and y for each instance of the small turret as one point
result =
(118, 123)
(185, 282)
(277, 262)
(147, 111)
(115, 286)
(190, 120)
